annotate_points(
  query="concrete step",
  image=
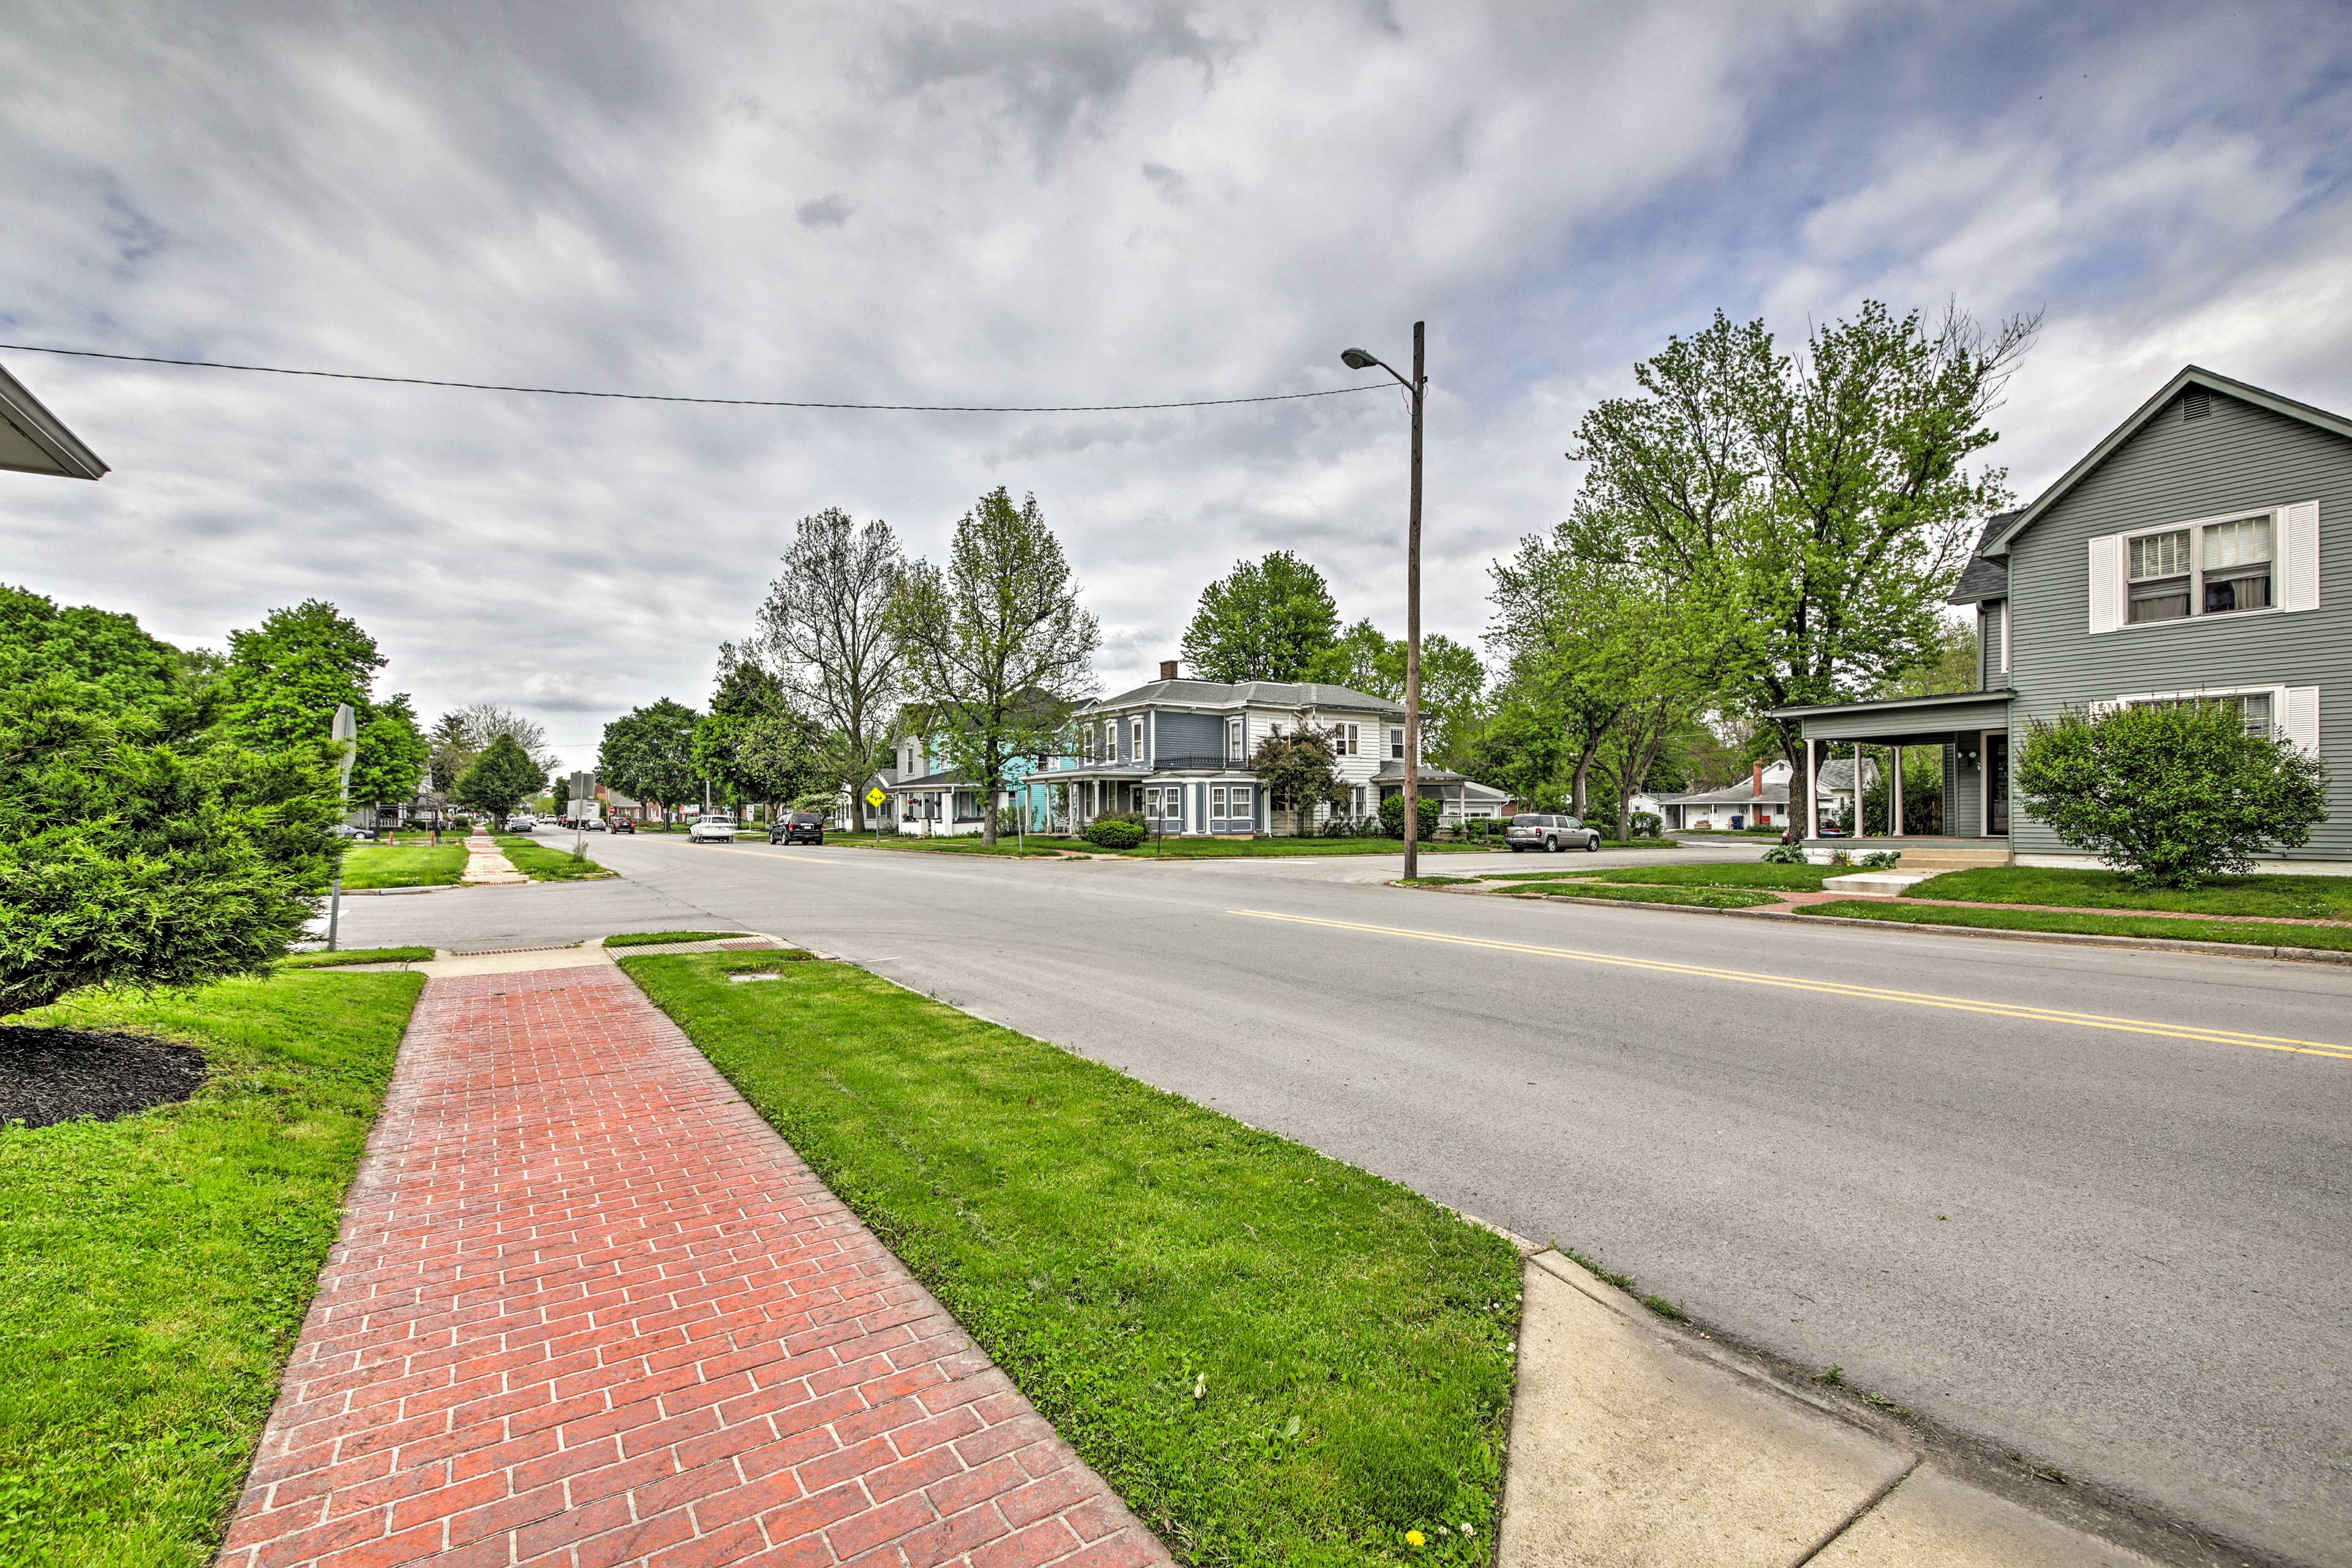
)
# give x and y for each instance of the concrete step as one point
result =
(1883, 882)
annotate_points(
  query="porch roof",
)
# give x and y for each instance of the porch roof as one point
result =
(1908, 721)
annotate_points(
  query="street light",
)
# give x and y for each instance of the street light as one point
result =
(1358, 358)
(347, 741)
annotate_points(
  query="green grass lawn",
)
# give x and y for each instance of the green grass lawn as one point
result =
(1037, 845)
(325, 960)
(406, 866)
(1221, 848)
(159, 1266)
(1694, 898)
(2273, 894)
(655, 938)
(1744, 874)
(542, 863)
(1993, 917)
(1274, 1358)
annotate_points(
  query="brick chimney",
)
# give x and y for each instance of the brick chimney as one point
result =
(1756, 779)
(1167, 669)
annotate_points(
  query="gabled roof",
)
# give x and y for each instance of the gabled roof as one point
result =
(1247, 693)
(35, 441)
(2191, 375)
(1984, 577)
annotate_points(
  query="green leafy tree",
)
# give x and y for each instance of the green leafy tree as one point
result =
(1265, 620)
(1818, 504)
(824, 631)
(753, 743)
(98, 648)
(1520, 747)
(649, 753)
(500, 780)
(1453, 683)
(136, 850)
(2170, 794)
(1300, 770)
(283, 680)
(997, 642)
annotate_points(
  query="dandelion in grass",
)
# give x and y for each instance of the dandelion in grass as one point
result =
(1413, 1538)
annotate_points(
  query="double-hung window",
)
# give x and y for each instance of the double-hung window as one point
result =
(2255, 710)
(1134, 740)
(1237, 802)
(2158, 576)
(1236, 741)
(2236, 564)
(1396, 745)
(1344, 738)
(1217, 801)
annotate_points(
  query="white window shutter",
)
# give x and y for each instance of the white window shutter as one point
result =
(2298, 557)
(2303, 719)
(2106, 583)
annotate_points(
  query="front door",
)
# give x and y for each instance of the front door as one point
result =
(1996, 756)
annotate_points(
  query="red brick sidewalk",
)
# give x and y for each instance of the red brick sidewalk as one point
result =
(588, 1309)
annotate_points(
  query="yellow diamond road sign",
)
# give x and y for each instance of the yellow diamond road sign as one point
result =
(875, 796)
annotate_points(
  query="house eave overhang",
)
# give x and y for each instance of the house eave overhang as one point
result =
(35, 441)
(2191, 375)
(1892, 720)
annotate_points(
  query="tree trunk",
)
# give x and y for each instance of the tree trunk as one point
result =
(1800, 789)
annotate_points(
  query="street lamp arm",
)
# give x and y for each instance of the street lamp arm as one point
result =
(1357, 359)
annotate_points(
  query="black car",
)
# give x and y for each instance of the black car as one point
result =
(797, 827)
(621, 825)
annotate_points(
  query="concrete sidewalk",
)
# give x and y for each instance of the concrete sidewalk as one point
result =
(1627, 1452)
(588, 1308)
(486, 865)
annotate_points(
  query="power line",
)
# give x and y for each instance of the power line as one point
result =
(720, 402)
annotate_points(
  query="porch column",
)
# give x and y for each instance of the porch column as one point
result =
(1812, 785)
(1894, 791)
(1860, 827)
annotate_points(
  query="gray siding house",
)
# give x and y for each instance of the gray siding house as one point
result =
(1178, 752)
(2202, 552)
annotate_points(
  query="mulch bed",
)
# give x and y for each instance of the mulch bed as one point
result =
(61, 1075)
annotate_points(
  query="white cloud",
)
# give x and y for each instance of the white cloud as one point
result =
(1117, 204)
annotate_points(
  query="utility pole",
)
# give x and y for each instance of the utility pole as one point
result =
(1357, 359)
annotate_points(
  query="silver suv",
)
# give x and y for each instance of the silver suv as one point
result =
(1533, 830)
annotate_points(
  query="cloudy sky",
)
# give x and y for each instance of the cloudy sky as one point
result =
(1038, 204)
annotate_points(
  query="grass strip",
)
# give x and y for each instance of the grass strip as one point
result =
(542, 864)
(324, 960)
(1173, 848)
(408, 866)
(1033, 849)
(1273, 1356)
(2281, 896)
(2177, 928)
(655, 938)
(1691, 898)
(1741, 874)
(159, 1266)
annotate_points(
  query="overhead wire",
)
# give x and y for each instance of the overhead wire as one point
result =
(719, 402)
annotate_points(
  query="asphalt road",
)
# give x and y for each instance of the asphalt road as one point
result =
(2122, 1249)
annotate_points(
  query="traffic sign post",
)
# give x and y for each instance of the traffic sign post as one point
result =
(874, 798)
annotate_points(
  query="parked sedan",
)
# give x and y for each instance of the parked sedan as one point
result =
(1535, 830)
(797, 827)
(712, 829)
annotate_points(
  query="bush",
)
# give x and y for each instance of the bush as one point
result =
(134, 852)
(1648, 825)
(1117, 830)
(1785, 854)
(1392, 817)
(2170, 794)
(1880, 859)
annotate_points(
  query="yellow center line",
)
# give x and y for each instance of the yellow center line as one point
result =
(1840, 988)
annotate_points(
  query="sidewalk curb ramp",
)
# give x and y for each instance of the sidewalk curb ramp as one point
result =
(1629, 1451)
